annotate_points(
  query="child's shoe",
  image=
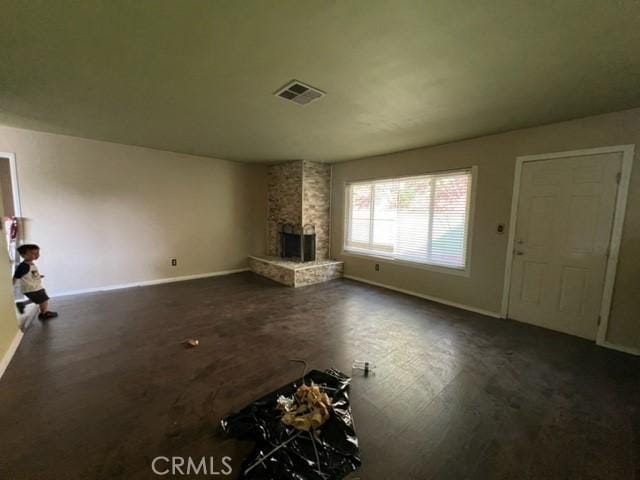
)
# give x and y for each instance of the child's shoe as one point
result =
(47, 315)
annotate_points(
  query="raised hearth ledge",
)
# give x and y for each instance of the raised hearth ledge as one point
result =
(290, 264)
(296, 274)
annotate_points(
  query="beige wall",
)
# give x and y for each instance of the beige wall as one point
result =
(107, 214)
(495, 157)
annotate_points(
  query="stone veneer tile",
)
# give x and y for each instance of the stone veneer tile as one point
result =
(274, 272)
(316, 200)
(318, 274)
(299, 193)
(298, 275)
(285, 200)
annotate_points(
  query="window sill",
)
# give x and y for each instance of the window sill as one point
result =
(422, 266)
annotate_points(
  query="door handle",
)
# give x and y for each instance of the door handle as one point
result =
(519, 252)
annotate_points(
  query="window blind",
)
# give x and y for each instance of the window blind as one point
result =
(421, 219)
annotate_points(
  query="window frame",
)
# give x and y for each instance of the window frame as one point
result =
(380, 257)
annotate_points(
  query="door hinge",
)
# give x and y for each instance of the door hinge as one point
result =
(599, 319)
(618, 177)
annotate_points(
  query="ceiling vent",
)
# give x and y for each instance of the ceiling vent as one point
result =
(298, 92)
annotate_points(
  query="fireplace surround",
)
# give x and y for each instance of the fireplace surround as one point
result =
(298, 225)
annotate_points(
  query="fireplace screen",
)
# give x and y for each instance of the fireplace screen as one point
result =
(298, 243)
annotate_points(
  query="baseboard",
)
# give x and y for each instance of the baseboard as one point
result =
(147, 283)
(426, 297)
(4, 363)
(621, 348)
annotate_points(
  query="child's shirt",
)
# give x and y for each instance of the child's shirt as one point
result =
(29, 276)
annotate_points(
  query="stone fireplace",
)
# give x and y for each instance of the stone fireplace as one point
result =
(298, 225)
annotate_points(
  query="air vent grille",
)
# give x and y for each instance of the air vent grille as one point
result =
(299, 93)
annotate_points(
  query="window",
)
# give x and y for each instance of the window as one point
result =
(422, 219)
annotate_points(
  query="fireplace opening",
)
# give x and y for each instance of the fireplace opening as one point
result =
(298, 243)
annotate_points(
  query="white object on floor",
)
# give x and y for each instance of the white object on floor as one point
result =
(29, 315)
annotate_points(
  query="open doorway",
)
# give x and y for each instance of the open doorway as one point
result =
(10, 210)
(12, 235)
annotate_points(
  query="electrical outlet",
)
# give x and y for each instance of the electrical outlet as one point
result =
(174, 262)
(377, 267)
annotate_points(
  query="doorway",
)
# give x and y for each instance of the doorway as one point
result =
(565, 229)
(10, 209)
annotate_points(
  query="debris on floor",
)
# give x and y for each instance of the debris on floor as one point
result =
(307, 409)
(367, 368)
(303, 431)
(190, 342)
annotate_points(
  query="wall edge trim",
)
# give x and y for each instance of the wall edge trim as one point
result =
(620, 348)
(426, 297)
(146, 283)
(8, 355)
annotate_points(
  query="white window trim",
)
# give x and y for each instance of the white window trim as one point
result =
(463, 272)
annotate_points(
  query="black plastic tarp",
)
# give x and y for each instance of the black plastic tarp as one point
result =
(331, 456)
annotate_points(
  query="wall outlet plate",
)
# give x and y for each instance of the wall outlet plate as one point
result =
(377, 267)
(174, 262)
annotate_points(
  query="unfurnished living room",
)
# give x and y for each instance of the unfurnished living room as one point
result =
(320, 239)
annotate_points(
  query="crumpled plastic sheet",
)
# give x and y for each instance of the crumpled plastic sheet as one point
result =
(336, 445)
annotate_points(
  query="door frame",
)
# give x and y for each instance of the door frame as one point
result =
(15, 190)
(616, 230)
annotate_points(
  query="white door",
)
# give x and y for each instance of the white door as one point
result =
(563, 231)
